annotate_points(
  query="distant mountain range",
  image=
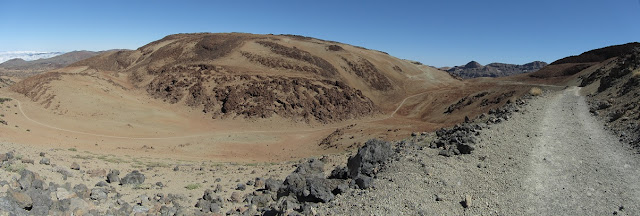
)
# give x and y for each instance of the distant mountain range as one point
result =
(23, 67)
(474, 69)
(26, 55)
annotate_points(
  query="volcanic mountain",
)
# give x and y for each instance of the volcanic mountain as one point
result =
(474, 69)
(233, 75)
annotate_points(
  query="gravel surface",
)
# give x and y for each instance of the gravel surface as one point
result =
(551, 158)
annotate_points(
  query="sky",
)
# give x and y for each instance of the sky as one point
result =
(437, 33)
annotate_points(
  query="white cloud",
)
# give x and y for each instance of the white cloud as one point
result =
(26, 55)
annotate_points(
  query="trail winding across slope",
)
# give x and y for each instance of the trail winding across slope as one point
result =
(201, 135)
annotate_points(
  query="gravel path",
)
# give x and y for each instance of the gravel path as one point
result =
(551, 158)
(577, 167)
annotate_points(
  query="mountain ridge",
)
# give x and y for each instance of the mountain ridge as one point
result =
(474, 69)
(18, 67)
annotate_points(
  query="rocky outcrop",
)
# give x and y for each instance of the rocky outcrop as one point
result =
(615, 101)
(256, 96)
(364, 165)
(462, 138)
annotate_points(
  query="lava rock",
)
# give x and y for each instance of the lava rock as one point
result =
(241, 187)
(339, 172)
(75, 166)
(272, 185)
(236, 197)
(366, 161)
(113, 177)
(102, 184)
(98, 194)
(134, 178)
(259, 183)
(45, 161)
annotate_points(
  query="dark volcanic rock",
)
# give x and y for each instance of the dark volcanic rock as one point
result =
(368, 158)
(272, 185)
(45, 161)
(210, 202)
(134, 177)
(339, 172)
(307, 183)
(98, 194)
(113, 176)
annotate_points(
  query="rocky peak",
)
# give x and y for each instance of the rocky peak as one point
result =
(473, 64)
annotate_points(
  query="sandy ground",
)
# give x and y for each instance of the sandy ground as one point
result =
(552, 158)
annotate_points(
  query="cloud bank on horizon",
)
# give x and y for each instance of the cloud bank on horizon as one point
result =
(26, 55)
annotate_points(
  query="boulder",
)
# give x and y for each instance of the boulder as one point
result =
(98, 194)
(209, 202)
(307, 183)
(372, 154)
(236, 197)
(259, 183)
(75, 166)
(339, 172)
(21, 199)
(81, 191)
(63, 194)
(113, 177)
(102, 184)
(9, 206)
(272, 185)
(26, 179)
(45, 161)
(241, 187)
(134, 177)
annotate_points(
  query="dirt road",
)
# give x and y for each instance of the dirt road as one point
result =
(577, 168)
(551, 158)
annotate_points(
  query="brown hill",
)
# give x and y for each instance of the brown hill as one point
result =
(251, 76)
(21, 68)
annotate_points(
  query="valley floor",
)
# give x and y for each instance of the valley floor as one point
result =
(553, 158)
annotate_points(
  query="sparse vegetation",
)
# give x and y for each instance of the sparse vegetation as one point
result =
(72, 149)
(535, 91)
(15, 168)
(142, 186)
(192, 186)
(157, 164)
(112, 159)
(2, 100)
(82, 157)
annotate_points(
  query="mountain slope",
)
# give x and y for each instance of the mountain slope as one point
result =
(574, 64)
(247, 76)
(474, 69)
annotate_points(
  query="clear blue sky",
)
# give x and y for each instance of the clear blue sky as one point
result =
(442, 33)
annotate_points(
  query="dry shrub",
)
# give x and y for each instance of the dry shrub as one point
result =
(535, 91)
